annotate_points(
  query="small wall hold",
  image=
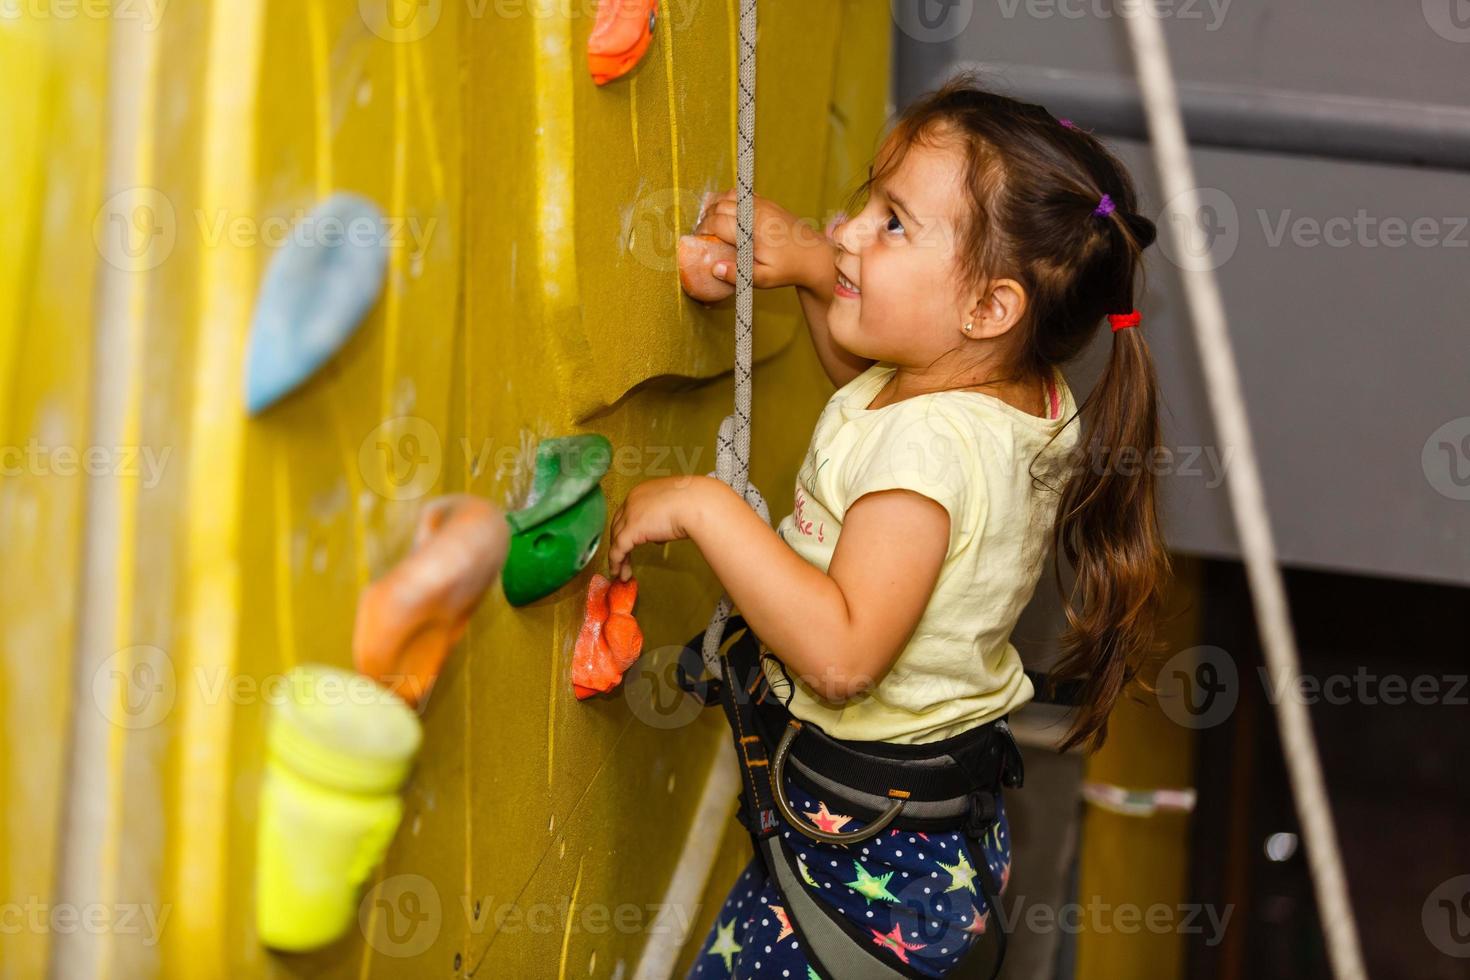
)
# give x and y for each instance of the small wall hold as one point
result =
(559, 530)
(408, 620)
(698, 255)
(620, 37)
(339, 746)
(317, 290)
(1138, 802)
(610, 638)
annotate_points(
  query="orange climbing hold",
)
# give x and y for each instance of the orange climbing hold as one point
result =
(698, 255)
(610, 639)
(408, 620)
(621, 35)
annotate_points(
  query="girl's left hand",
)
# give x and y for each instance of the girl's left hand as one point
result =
(655, 511)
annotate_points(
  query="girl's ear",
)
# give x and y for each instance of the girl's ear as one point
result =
(998, 310)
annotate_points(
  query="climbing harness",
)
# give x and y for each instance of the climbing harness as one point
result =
(949, 785)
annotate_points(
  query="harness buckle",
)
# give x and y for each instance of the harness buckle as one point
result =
(1012, 768)
(688, 668)
(982, 813)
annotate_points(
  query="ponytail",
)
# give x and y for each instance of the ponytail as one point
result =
(1108, 529)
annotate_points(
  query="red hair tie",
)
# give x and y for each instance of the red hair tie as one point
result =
(1122, 321)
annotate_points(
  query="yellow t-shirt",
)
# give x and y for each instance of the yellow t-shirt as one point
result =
(981, 459)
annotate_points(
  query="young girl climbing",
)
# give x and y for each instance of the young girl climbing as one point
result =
(993, 243)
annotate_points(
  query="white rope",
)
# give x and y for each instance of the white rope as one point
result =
(732, 465)
(732, 449)
(1248, 502)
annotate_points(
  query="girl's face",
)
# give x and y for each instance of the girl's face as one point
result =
(900, 253)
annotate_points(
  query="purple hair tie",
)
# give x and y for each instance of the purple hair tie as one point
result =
(837, 219)
(1067, 123)
(1105, 206)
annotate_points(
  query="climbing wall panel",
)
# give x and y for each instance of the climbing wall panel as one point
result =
(247, 556)
(339, 470)
(530, 293)
(50, 154)
(630, 352)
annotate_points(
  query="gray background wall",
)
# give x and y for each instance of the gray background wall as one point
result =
(1353, 339)
(1351, 332)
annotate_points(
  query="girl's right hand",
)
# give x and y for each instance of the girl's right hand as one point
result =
(788, 251)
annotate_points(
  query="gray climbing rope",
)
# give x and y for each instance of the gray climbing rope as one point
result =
(1248, 502)
(732, 445)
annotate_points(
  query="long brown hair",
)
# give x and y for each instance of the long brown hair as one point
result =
(1033, 185)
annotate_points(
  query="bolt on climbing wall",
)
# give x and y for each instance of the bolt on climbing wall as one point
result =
(528, 291)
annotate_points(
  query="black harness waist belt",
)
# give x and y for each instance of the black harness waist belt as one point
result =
(949, 785)
(932, 786)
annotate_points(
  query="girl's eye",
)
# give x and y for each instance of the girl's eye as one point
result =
(889, 226)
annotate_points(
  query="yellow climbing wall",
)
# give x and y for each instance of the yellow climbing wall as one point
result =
(155, 154)
(50, 156)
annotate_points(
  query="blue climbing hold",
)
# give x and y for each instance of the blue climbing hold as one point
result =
(316, 291)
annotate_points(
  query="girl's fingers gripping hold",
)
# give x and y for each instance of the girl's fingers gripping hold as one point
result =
(697, 256)
(722, 225)
(783, 242)
(618, 548)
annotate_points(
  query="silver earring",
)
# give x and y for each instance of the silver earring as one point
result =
(969, 327)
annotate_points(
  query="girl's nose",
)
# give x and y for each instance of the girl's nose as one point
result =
(851, 234)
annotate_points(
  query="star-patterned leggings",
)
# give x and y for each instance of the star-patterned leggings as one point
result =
(915, 895)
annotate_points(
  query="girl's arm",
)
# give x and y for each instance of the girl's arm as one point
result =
(841, 630)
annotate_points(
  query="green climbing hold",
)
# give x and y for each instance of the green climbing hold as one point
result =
(566, 469)
(559, 530)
